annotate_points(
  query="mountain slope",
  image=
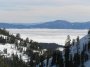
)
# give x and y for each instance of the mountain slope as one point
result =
(58, 24)
(61, 24)
(11, 25)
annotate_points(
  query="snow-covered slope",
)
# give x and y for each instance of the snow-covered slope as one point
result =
(87, 64)
(83, 41)
(11, 49)
(73, 50)
(76, 49)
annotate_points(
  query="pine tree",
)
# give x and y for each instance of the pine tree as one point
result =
(76, 60)
(27, 39)
(73, 42)
(60, 60)
(66, 55)
(68, 41)
(67, 51)
(78, 43)
(89, 31)
(18, 35)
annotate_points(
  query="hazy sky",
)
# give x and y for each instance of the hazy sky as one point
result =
(44, 10)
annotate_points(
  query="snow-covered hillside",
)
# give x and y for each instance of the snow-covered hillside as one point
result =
(11, 49)
(15, 48)
(83, 41)
(82, 47)
(79, 49)
(87, 64)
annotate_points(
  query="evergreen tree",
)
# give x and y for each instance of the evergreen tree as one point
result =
(75, 60)
(27, 39)
(66, 55)
(67, 51)
(18, 35)
(68, 41)
(73, 42)
(78, 43)
(89, 31)
(60, 60)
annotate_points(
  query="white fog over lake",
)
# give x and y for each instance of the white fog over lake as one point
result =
(49, 35)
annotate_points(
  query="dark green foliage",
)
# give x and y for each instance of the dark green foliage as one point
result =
(5, 51)
(2, 40)
(66, 55)
(57, 59)
(4, 32)
(34, 45)
(89, 31)
(78, 43)
(27, 39)
(73, 42)
(14, 62)
(76, 60)
(89, 45)
(17, 35)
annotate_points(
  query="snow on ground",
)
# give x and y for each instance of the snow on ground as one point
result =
(12, 50)
(83, 41)
(54, 36)
(87, 64)
(49, 35)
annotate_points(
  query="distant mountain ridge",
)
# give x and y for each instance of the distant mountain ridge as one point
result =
(58, 24)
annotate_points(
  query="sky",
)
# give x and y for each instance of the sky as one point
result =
(34, 11)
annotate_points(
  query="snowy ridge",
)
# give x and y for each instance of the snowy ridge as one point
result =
(83, 41)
